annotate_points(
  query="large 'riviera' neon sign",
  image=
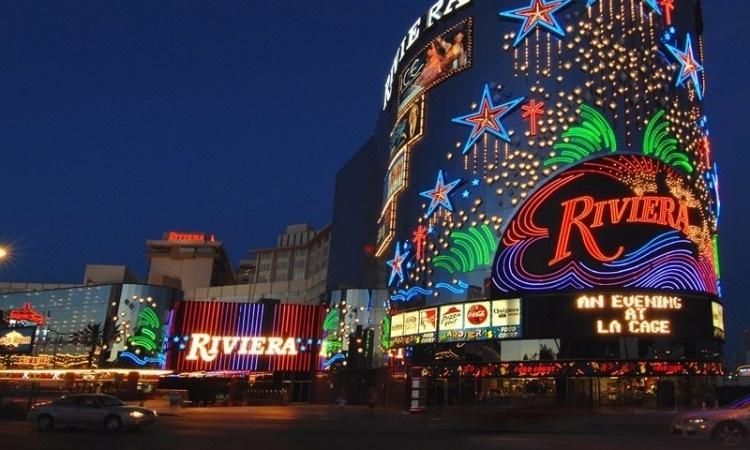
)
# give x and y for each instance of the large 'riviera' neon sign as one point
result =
(207, 348)
(647, 210)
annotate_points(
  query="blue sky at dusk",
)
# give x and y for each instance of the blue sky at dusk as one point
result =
(122, 120)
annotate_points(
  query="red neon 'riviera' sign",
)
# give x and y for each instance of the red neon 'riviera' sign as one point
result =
(585, 214)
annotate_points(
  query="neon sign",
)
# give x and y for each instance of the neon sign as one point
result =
(647, 209)
(190, 237)
(207, 348)
(14, 339)
(27, 314)
(644, 228)
(636, 311)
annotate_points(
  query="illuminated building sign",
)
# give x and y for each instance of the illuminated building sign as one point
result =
(27, 314)
(637, 313)
(620, 314)
(627, 221)
(439, 11)
(207, 347)
(447, 55)
(482, 320)
(190, 237)
(17, 341)
(234, 337)
(479, 321)
(717, 319)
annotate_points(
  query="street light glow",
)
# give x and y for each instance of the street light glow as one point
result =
(3, 253)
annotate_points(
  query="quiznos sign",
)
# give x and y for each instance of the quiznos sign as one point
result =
(440, 10)
(206, 347)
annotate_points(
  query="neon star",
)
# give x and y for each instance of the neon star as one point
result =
(465, 194)
(538, 13)
(487, 119)
(440, 195)
(654, 4)
(397, 265)
(689, 66)
(475, 182)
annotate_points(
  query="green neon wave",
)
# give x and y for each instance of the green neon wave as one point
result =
(331, 321)
(471, 250)
(658, 143)
(593, 135)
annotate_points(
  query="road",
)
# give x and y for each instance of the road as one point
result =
(315, 428)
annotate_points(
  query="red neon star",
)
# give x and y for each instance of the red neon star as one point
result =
(420, 241)
(486, 118)
(538, 11)
(667, 6)
(531, 111)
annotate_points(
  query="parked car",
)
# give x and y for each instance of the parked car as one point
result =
(728, 425)
(90, 411)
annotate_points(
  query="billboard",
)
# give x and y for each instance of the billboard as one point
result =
(484, 320)
(445, 56)
(463, 322)
(627, 221)
(619, 314)
(17, 341)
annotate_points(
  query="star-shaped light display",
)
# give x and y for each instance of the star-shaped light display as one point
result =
(689, 66)
(654, 4)
(397, 265)
(538, 13)
(439, 196)
(487, 119)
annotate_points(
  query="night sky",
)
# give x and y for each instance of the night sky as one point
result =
(122, 120)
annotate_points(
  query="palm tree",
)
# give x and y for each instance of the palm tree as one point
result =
(91, 337)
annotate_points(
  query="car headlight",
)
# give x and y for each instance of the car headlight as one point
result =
(136, 414)
(697, 420)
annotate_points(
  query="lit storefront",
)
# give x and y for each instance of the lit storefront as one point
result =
(550, 207)
(245, 349)
(119, 326)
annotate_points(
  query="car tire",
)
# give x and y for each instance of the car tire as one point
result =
(730, 434)
(112, 424)
(45, 422)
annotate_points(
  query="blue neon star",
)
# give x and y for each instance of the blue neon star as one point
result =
(689, 66)
(654, 4)
(397, 265)
(465, 194)
(487, 119)
(475, 182)
(539, 12)
(440, 195)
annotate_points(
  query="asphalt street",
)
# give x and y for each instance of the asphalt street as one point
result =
(315, 427)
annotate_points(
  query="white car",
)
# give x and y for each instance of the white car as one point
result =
(91, 411)
(728, 425)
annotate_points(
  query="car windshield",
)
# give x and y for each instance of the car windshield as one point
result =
(108, 401)
(741, 403)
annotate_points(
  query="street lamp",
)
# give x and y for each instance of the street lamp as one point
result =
(4, 253)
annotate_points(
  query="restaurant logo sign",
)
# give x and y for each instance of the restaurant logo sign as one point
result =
(451, 317)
